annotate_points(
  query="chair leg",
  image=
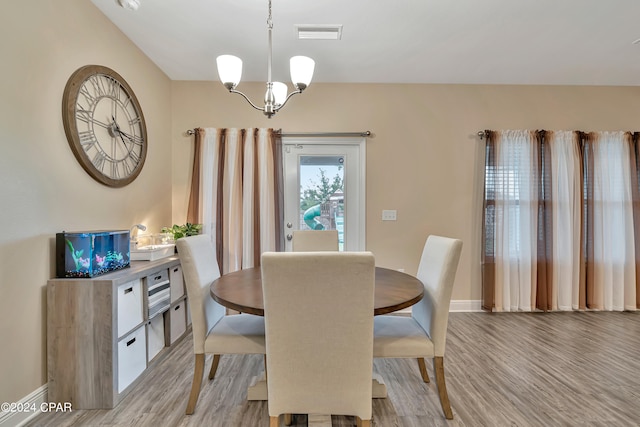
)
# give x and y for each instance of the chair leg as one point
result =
(288, 419)
(195, 385)
(214, 366)
(438, 368)
(362, 423)
(423, 370)
(274, 421)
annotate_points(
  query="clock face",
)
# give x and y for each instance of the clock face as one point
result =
(104, 125)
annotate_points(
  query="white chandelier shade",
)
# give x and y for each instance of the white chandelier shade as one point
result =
(229, 69)
(279, 92)
(301, 68)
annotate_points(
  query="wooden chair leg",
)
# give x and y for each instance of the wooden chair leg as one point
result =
(274, 421)
(288, 419)
(438, 368)
(265, 367)
(423, 369)
(195, 385)
(214, 366)
(362, 423)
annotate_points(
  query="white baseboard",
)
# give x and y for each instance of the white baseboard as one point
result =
(465, 305)
(25, 409)
(455, 306)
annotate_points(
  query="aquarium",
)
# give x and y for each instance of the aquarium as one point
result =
(91, 253)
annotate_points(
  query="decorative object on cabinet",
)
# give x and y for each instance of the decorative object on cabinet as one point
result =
(178, 231)
(137, 228)
(104, 125)
(103, 334)
(152, 252)
(150, 247)
(91, 253)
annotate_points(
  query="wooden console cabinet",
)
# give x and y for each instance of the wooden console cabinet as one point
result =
(100, 337)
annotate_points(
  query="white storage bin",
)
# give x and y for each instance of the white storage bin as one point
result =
(155, 336)
(132, 357)
(129, 306)
(178, 321)
(177, 283)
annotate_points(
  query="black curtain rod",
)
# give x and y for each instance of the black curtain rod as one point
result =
(311, 134)
(321, 134)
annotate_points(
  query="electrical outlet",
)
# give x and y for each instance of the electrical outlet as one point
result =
(389, 215)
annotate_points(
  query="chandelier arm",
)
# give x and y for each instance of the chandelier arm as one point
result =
(246, 99)
(295, 92)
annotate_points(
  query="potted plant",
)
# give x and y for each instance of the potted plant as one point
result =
(178, 231)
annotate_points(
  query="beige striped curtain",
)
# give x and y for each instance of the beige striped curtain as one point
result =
(561, 221)
(236, 193)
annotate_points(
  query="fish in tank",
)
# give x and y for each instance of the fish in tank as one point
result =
(91, 253)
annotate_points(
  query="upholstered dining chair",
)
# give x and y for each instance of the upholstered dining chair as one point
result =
(314, 240)
(423, 335)
(213, 331)
(319, 330)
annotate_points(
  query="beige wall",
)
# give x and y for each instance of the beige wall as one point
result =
(424, 160)
(43, 189)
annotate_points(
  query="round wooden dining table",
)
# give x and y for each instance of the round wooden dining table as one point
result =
(242, 291)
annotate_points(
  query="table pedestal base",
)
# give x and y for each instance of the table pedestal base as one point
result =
(258, 388)
(379, 389)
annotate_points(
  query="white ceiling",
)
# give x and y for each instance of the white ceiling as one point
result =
(574, 42)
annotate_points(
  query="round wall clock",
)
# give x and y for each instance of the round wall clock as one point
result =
(104, 125)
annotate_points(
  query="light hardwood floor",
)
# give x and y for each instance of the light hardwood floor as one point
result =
(502, 369)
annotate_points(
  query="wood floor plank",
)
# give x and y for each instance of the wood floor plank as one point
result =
(502, 369)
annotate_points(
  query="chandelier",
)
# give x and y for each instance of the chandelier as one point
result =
(301, 69)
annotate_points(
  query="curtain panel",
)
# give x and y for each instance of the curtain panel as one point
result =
(236, 193)
(561, 221)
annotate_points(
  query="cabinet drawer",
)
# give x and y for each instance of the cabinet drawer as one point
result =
(132, 357)
(159, 293)
(178, 321)
(158, 277)
(177, 283)
(129, 306)
(155, 336)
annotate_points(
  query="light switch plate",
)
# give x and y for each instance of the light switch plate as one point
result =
(389, 215)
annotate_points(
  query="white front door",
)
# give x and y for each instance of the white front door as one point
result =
(324, 188)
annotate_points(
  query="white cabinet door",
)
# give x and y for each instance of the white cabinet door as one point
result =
(129, 306)
(132, 357)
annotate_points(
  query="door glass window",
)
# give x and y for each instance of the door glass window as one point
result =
(322, 194)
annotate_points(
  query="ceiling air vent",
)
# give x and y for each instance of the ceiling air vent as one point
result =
(319, 32)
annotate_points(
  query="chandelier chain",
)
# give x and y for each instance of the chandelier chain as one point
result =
(269, 19)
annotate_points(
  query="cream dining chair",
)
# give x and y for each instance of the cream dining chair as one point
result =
(314, 240)
(319, 329)
(423, 335)
(213, 331)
